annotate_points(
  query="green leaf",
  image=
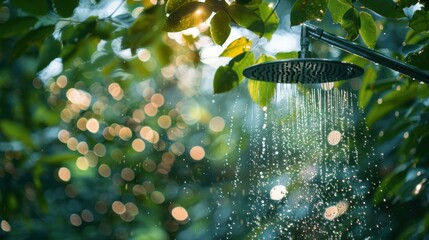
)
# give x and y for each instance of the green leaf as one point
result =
(304, 10)
(414, 37)
(145, 29)
(225, 79)
(270, 18)
(16, 26)
(34, 7)
(162, 53)
(367, 29)
(386, 8)
(35, 38)
(406, 3)
(338, 8)
(419, 59)
(247, 18)
(420, 21)
(50, 50)
(174, 4)
(365, 93)
(65, 8)
(219, 27)
(240, 62)
(186, 16)
(58, 159)
(286, 55)
(237, 47)
(350, 23)
(249, 3)
(262, 92)
(16, 131)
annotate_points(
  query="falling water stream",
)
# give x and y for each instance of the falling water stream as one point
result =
(306, 171)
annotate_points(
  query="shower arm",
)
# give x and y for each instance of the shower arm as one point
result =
(317, 33)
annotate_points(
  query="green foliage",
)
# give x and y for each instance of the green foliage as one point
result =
(350, 23)
(65, 8)
(36, 7)
(367, 29)
(16, 26)
(219, 27)
(174, 4)
(188, 15)
(420, 21)
(385, 8)
(237, 47)
(246, 18)
(419, 59)
(365, 92)
(338, 8)
(304, 10)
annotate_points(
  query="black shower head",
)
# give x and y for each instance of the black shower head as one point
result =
(303, 70)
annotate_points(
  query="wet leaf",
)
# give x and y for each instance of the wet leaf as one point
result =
(386, 8)
(186, 16)
(175, 4)
(420, 21)
(350, 23)
(365, 93)
(338, 8)
(50, 50)
(246, 18)
(304, 10)
(34, 38)
(237, 47)
(367, 29)
(16, 131)
(270, 18)
(35, 7)
(219, 27)
(419, 59)
(262, 92)
(65, 8)
(225, 79)
(16, 26)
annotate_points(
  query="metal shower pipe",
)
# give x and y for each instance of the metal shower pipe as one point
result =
(372, 55)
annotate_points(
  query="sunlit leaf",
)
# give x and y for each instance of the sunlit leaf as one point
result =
(270, 18)
(65, 8)
(35, 7)
(16, 131)
(365, 94)
(50, 50)
(224, 80)
(367, 29)
(420, 21)
(246, 18)
(386, 8)
(414, 37)
(174, 4)
(338, 8)
(16, 26)
(237, 47)
(304, 10)
(219, 27)
(262, 92)
(350, 23)
(249, 3)
(419, 59)
(186, 16)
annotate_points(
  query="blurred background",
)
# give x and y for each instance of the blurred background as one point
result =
(109, 129)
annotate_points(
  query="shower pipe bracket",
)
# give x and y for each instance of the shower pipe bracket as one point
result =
(317, 33)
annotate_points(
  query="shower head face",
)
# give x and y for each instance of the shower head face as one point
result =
(303, 70)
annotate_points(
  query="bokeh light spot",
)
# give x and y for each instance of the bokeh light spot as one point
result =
(64, 174)
(334, 137)
(127, 174)
(138, 145)
(104, 170)
(180, 214)
(217, 124)
(92, 125)
(82, 163)
(118, 207)
(75, 220)
(331, 213)
(5, 226)
(278, 192)
(197, 153)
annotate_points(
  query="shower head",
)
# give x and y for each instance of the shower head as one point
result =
(310, 70)
(303, 70)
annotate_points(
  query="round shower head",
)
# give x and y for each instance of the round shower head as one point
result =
(303, 70)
